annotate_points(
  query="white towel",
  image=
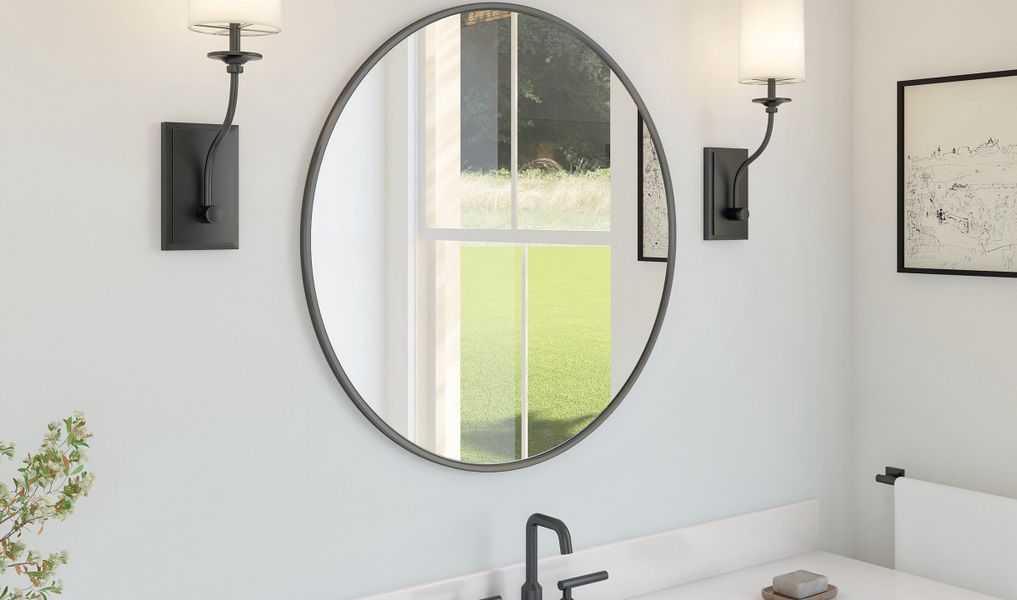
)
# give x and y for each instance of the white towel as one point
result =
(956, 536)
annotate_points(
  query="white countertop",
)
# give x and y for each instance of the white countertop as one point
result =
(855, 580)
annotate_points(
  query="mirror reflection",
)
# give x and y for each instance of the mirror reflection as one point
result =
(489, 237)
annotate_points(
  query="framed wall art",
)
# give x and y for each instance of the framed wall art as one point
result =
(957, 175)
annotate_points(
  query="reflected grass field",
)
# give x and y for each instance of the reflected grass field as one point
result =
(547, 200)
(569, 346)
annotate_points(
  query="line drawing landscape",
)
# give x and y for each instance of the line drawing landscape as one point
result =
(960, 208)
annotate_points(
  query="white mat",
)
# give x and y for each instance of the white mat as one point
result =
(956, 536)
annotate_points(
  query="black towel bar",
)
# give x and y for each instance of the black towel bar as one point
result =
(891, 476)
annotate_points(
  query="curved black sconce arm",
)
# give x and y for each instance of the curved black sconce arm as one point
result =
(235, 60)
(772, 103)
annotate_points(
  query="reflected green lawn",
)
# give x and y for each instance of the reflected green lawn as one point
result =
(569, 346)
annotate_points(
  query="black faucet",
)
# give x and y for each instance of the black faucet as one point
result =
(531, 588)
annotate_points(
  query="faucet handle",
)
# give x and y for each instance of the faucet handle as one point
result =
(566, 585)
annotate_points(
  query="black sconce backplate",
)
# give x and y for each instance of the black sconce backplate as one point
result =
(719, 167)
(184, 149)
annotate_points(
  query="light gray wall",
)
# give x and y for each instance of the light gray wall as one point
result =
(934, 354)
(231, 465)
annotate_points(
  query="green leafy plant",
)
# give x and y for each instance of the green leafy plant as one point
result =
(48, 485)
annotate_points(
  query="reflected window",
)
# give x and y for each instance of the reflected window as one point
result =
(513, 280)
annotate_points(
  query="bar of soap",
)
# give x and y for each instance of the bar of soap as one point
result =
(800, 584)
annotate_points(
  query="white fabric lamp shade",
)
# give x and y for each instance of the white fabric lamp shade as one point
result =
(772, 41)
(256, 17)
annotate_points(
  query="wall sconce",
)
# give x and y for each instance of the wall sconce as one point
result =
(772, 52)
(200, 162)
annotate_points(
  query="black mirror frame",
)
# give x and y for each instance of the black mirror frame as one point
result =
(305, 240)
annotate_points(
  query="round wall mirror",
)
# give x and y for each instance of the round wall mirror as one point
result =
(487, 237)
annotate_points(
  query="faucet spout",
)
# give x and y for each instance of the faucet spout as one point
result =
(531, 587)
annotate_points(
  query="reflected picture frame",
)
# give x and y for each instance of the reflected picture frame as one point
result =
(651, 200)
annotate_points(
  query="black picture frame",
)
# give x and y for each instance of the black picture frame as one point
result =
(640, 194)
(902, 87)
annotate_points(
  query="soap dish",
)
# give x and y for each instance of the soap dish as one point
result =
(830, 593)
